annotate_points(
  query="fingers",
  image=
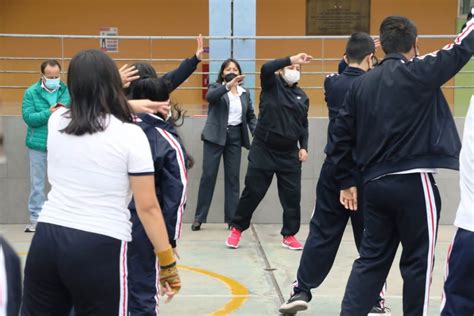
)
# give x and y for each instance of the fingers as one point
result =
(168, 292)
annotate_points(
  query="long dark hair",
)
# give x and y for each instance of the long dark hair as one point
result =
(220, 77)
(96, 90)
(158, 89)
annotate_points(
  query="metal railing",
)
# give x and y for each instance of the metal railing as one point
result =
(323, 59)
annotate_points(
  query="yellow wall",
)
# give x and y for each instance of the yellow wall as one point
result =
(188, 17)
(137, 17)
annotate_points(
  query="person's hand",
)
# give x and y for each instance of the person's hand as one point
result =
(302, 154)
(235, 82)
(376, 42)
(53, 108)
(200, 47)
(127, 75)
(348, 198)
(176, 254)
(169, 278)
(148, 106)
(168, 292)
(301, 58)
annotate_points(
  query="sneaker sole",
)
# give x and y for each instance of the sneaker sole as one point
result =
(289, 247)
(379, 314)
(294, 307)
(231, 246)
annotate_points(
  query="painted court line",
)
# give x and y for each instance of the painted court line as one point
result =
(239, 292)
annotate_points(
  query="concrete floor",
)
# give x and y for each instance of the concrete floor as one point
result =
(253, 279)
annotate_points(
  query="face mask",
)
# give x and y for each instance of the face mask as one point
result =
(291, 76)
(229, 77)
(52, 84)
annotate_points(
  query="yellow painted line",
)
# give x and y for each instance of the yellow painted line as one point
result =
(239, 292)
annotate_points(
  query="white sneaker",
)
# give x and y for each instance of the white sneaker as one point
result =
(31, 228)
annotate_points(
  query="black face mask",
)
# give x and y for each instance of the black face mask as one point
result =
(229, 77)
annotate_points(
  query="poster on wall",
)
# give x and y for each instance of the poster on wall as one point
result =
(108, 45)
(337, 17)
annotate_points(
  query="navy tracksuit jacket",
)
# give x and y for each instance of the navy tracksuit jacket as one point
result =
(398, 127)
(170, 162)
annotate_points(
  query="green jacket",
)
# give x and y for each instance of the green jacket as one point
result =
(36, 112)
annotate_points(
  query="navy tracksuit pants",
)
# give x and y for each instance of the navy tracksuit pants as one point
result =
(398, 209)
(143, 272)
(458, 294)
(326, 229)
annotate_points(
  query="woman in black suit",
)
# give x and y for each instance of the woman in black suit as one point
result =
(230, 113)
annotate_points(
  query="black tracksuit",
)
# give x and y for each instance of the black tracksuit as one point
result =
(282, 123)
(396, 119)
(329, 217)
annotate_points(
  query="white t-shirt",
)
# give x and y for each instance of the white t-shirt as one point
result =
(235, 107)
(89, 175)
(465, 214)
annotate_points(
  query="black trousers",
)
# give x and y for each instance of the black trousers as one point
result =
(257, 182)
(397, 209)
(212, 154)
(10, 280)
(326, 229)
(458, 294)
(68, 268)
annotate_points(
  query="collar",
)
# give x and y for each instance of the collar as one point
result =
(353, 71)
(240, 90)
(393, 56)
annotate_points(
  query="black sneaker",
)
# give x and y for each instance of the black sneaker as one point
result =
(378, 310)
(296, 303)
(196, 226)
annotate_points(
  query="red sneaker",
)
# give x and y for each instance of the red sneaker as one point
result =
(233, 240)
(292, 243)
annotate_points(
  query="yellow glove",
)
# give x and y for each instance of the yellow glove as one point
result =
(168, 270)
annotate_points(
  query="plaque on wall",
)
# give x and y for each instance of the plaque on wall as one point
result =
(337, 17)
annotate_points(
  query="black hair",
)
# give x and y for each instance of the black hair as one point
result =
(144, 71)
(220, 76)
(96, 90)
(359, 46)
(49, 62)
(397, 34)
(158, 89)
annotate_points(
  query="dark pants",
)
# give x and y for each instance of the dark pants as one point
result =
(257, 182)
(210, 167)
(68, 268)
(143, 272)
(10, 280)
(326, 229)
(397, 209)
(458, 295)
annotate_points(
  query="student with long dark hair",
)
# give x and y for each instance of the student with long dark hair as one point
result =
(230, 116)
(171, 161)
(279, 147)
(96, 159)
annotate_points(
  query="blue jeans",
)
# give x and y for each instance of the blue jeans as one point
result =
(37, 181)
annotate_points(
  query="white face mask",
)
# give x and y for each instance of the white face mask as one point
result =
(291, 76)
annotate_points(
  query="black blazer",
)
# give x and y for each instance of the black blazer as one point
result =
(215, 130)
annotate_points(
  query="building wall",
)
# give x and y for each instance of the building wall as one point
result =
(190, 17)
(138, 17)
